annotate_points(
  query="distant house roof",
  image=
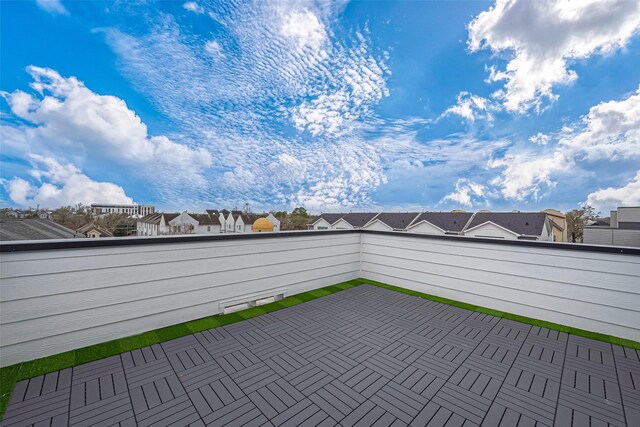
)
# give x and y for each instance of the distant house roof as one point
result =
(359, 219)
(206, 219)
(93, 226)
(169, 216)
(329, 217)
(447, 221)
(523, 223)
(397, 220)
(34, 229)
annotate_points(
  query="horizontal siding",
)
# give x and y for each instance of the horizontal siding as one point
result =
(55, 301)
(599, 292)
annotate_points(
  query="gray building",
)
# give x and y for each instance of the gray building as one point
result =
(623, 229)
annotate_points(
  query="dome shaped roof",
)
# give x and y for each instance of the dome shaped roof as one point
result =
(262, 224)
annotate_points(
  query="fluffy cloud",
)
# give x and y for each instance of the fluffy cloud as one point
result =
(472, 107)
(52, 6)
(540, 139)
(609, 132)
(610, 198)
(61, 185)
(304, 28)
(193, 7)
(67, 119)
(543, 37)
(467, 193)
(213, 48)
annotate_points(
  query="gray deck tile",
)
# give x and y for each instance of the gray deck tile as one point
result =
(366, 356)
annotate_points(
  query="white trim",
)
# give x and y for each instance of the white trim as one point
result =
(493, 223)
(424, 220)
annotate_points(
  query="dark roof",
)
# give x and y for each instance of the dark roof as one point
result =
(204, 219)
(447, 221)
(34, 229)
(247, 219)
(213, 212)
(397, 220)
(528, 223)
(602, 222)
(169, 216)
(153, 218)
(330, 217)
(359, 219)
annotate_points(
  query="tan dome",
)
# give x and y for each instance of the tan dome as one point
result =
(262, 224)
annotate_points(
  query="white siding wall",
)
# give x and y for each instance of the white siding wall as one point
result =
(425, 228)
(322, 225)
(341, 224)
(54, 301)
(213, 229)
(491, 230)
(594, 291)
(611, 236)
(377, 226)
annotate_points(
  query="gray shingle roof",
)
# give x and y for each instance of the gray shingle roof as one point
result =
(359, 219)
(330, 217)
(447, 221)
(397, 220)
(34, 229)
(528, 223)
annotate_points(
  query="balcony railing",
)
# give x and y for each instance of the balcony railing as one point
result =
(60, 295)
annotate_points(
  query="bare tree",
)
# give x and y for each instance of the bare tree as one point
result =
(577, 219)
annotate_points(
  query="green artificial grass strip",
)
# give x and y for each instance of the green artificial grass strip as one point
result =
(33, 368)
(138, 341)
(96, 352)
(202, 324)
(252, 312)
(172, 332)
(8, 378)
(516, 317)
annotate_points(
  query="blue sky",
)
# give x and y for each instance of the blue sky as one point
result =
(329, 105)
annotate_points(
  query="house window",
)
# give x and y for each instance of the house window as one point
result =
(208, 228)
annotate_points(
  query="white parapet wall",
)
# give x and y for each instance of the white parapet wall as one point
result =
(57, 296)
(562, 283)
(52, 301)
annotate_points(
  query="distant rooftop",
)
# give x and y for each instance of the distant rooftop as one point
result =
(34, 229)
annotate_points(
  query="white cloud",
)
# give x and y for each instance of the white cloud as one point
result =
(472, 107)
(467, 193)
(68, 120)
(609, 132)
(213, 48)
(259, 107)
(52, 6)
(540, 139)
(543, 37)
(610, 198)
(61, 185)
(304, 28)
(193, 7)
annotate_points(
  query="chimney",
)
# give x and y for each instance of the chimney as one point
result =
(613, 221)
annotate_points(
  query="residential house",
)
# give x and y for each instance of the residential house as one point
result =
(94, 231)
(325, 221)
(354, 220)
(510, 225)
(208, 223)
(451, 223)
(623, 229)
(558, 224)
(392, 221)
(183, 223)
(155, 224)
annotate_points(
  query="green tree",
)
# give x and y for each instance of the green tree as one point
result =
(299, 218)
(577, 219)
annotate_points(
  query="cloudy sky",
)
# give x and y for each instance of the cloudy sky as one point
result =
(331, 105)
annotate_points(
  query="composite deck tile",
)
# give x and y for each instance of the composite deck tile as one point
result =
(366, 356)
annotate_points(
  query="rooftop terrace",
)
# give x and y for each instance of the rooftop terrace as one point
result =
(365, 355)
